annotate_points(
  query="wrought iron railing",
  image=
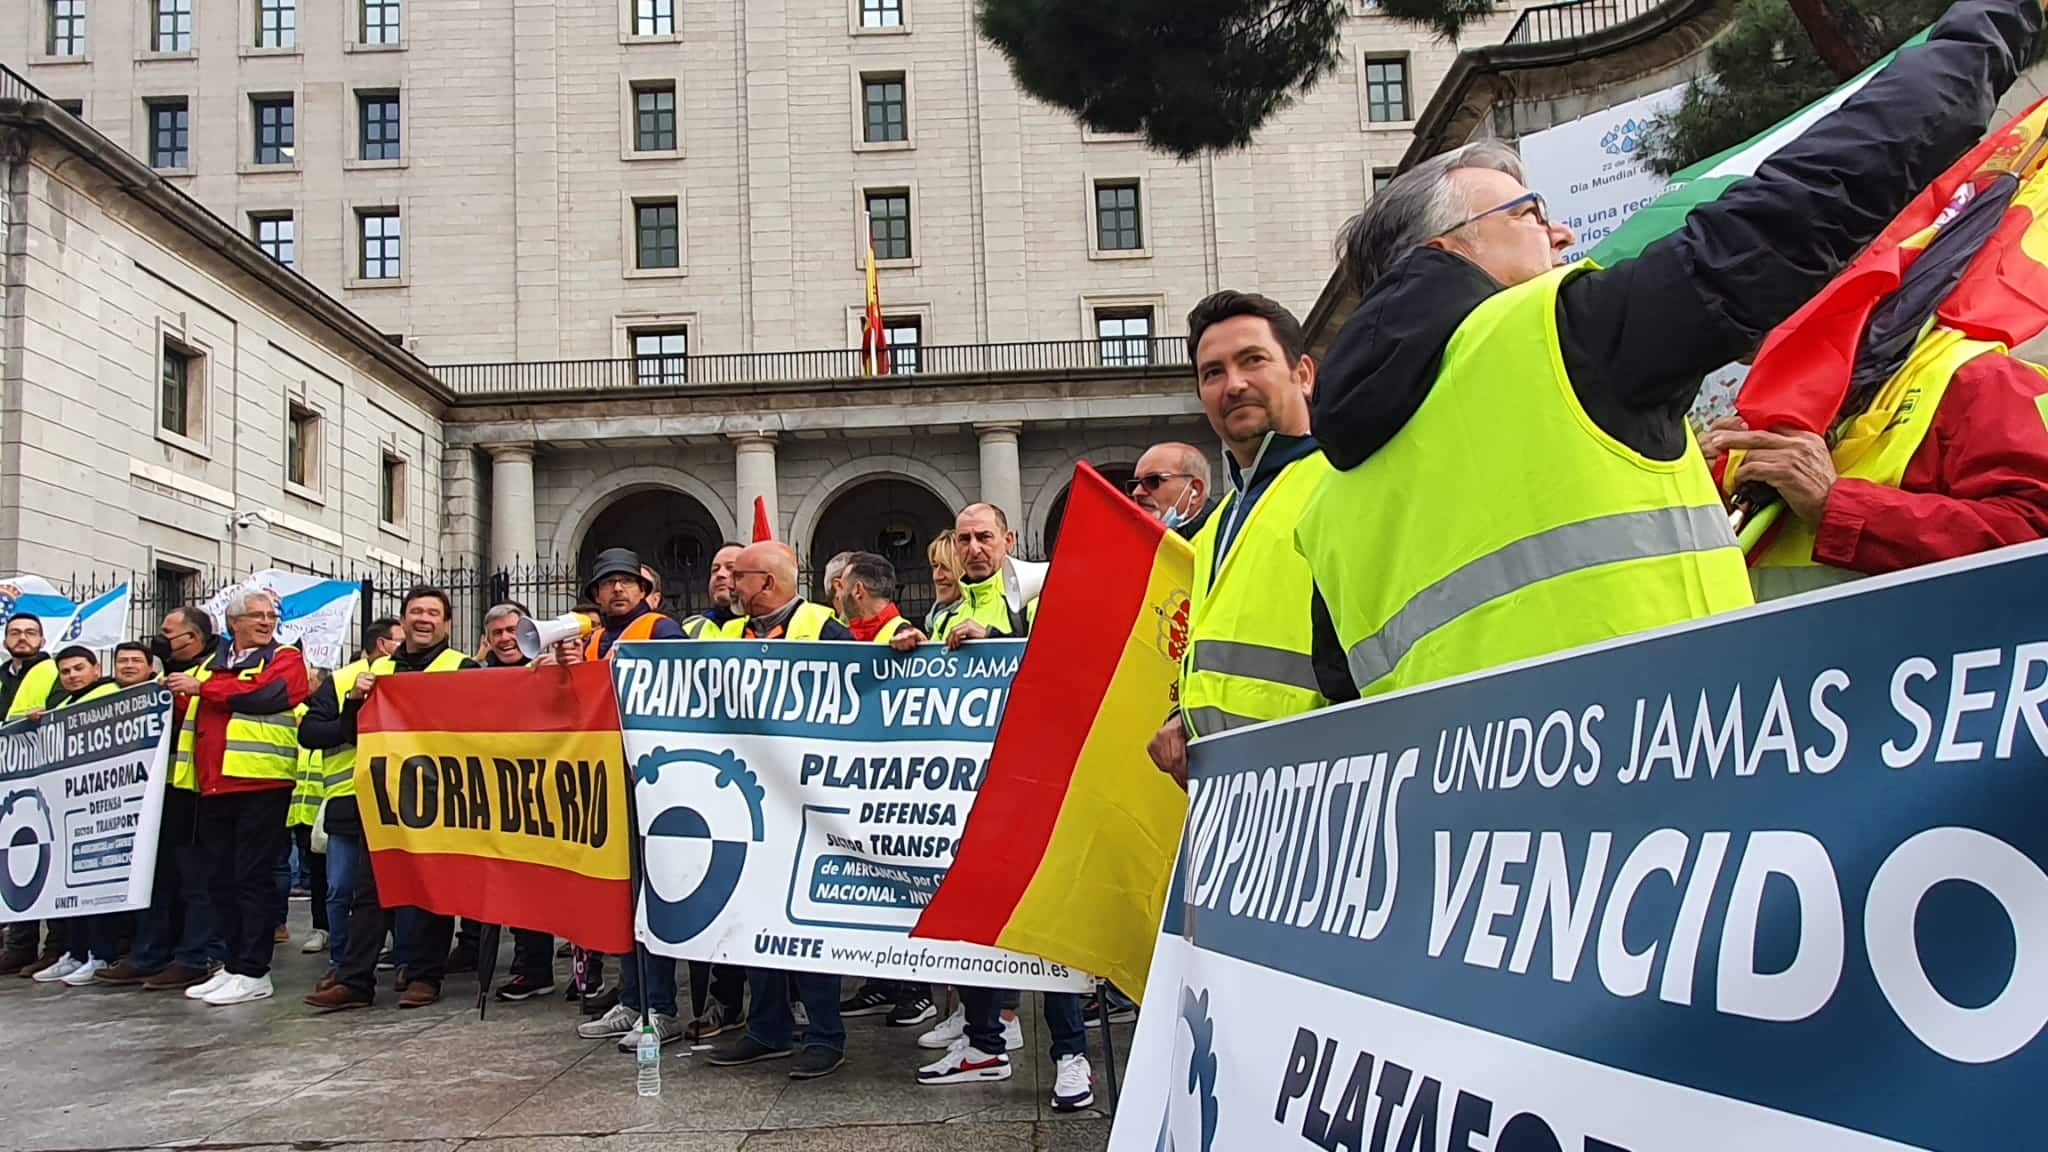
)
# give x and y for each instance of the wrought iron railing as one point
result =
(1547, 23)
(15, 86)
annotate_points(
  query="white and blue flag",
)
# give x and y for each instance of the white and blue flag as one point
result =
(100, 622)
(314, 612)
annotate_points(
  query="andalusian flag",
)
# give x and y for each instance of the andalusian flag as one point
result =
(500, 795)
(1070, 847)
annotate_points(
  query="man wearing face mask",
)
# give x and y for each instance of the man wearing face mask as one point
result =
(1171, 482)
(1248, 657)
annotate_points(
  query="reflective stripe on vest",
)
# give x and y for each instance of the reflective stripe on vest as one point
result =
(1248, 623)
(641, 627)
(257, 747)
(988, 602)
(308, 786)
(1501, 523)
(338, 765)
(701, 628)
(810, 620)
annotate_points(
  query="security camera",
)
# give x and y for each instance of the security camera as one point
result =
(252, 519)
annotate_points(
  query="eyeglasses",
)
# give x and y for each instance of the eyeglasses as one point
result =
(1537, 209)
(259, 615)
(739, 572)
(1151, 481)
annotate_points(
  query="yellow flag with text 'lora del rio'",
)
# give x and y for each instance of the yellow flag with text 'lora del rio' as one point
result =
(1070, 847)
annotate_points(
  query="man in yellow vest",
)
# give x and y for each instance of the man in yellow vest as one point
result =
(992, 599)
(764, 586)
(721, 620)
(866, 602)
(90, 941)
(28, 681)
(1248, 657)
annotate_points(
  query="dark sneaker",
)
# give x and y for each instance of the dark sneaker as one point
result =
(125, 973)
(912, 1012)
(387, 960)
(716, 1020)
(562, 950)
(175, 976)
(462, 960)
(601, 1002)
(871, 1000)
(1120, 1011)
(747, 1050)
(815, 1061)
(520, 988)
(339, 998)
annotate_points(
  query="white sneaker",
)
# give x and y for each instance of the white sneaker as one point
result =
(952, 1028)
(317, 942)
(84, 974)
(240, 990)
(65, 966)
(963, 1063)
(208, 986)
(620, 1021)
(1013, 1033)
(1073, 1086)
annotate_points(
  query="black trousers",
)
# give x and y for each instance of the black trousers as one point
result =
(725, 983)
(316, 863)
(368, 920)
(243, 835)
(533, 953)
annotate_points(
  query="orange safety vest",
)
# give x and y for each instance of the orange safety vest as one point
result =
(642, 628)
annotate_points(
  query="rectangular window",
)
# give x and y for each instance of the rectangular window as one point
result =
(881, 13)
(75, 107)
(654, 117)
(377, 117)
(170, 138)
(1386, 91)
(657, 231)
(273, 119)
(1117, 228)
(66, 35)
(882, 97)
(889, 224)
(1381, 177)
(173, 586)
(391, 492)
(173, 32)
(1124, 336)
(277, 23)
(906, 339)
(380, 243)
(380, 21)
(661, 356)
(301, 445)
(180, 374)
(273, 232)
(654, 17)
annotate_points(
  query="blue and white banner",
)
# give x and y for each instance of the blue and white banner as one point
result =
(315, 613)
(800, 802)
(100, 622)
(81, 796)
(1773, 881)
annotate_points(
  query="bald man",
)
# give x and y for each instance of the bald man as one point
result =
(764, 588)
(1171, 482)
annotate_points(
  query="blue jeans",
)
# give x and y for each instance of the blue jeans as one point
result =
(178, 924)
(661, 982)
(770, 1021)
(345, 854)
(984, 1007)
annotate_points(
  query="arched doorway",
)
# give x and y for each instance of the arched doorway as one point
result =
(893, 517)
(670, 531)
(1119, 477)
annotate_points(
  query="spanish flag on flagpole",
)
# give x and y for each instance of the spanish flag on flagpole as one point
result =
(874, 341)
(1071, 844)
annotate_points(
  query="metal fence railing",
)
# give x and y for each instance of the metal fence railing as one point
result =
(1548, 23)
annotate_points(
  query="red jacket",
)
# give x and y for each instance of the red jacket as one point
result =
(1979, 481)
(280, 687)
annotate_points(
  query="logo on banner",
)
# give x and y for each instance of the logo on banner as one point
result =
(1625, 138)
(1194, 1048)
(707, 814)
(29, 841)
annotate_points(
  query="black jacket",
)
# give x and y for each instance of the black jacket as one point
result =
(10, 679)
(330, 723)
(1638, 337)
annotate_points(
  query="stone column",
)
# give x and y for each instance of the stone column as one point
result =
(511, 505)
(753, 474)
(1002, 480)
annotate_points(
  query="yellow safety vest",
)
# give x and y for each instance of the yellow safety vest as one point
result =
(809, 621)
(701, 628)
(987, 601)
(338, 765)
(1249, 641)
(309, 787)
(93, 693)
(259, 747)
(887, 632)
(1502, 523)
(38, 685)
(1875, 446)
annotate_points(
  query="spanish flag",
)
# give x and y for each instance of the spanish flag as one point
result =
(1070, 847)
(500, 795)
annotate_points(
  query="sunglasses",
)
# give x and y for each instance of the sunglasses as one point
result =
(1151, 481)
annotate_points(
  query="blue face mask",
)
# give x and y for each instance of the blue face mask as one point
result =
(1176, 516)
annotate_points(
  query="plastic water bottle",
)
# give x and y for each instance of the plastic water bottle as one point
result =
(647, 1055)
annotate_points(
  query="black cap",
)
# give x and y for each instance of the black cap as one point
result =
(615, 562)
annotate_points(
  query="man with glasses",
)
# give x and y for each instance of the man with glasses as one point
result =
(1172, 483)
(1515, 474)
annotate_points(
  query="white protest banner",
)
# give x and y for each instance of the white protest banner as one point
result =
(81, 795)
(800, 802)
(313, 612)
(1591, 170)
(1768, 881)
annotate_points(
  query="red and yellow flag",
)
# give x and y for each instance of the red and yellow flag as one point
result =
(1070, 847)
(874, 340)
(500, 795)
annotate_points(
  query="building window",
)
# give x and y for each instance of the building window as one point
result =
(273, 118)
(1124, 336)
(75, 107)
(181, 374)
(657, 233)
(377, 119)
(1386, 91)
(654, 117)
(1381, 177)
(380, 21)
(66, 28)
(391, 492)
(380, 243)
(889, 224)
(654, 17)
(661, 356)
(301, 446)
(905, 335)
(1117, 228)
(273, 232)
(881, 13)
(170, 138)
(173, 32)
(173, 585)
(882, 97)
(277, 23)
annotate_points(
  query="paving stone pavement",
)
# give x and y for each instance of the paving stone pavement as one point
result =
(103, 1068)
